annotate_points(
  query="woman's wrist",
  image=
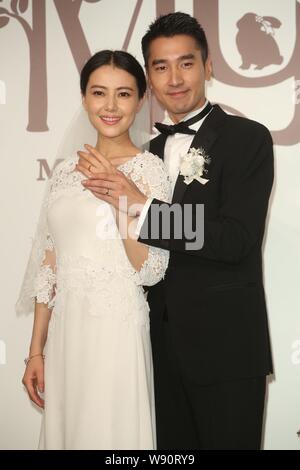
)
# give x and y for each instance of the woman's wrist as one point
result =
(31, 356)
(36, 346)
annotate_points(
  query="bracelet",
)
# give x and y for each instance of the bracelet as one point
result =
(27, 359)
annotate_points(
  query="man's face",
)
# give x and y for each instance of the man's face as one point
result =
(177, 74)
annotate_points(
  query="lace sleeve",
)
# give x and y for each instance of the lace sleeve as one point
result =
(40, 278)
(45, 280)
(150, 176)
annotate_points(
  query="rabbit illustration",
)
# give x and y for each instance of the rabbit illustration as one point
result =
(255, 41)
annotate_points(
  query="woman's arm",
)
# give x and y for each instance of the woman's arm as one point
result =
(33, 378)
(136, 252)
(152, 180)
(42, 315)
(44, 288)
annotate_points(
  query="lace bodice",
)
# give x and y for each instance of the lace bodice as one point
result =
(78, 247)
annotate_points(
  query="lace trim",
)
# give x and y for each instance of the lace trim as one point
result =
(44, 284)
(148, 172)
(65, 178)
(49, 244)
(154, 268)
(104, 291)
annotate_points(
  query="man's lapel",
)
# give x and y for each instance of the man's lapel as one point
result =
(204, 139)
(157, 145)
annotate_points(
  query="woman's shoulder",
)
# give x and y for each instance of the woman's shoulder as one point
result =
(151, 157)
(148, 170)
(64, 175)
(147, 160)
(65, 166)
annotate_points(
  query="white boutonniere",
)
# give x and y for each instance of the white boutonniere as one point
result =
(192, 166)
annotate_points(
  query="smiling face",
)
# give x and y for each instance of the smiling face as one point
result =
(177, 74)
(111, 100)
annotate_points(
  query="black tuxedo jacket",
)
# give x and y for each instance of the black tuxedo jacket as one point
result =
(213, 296)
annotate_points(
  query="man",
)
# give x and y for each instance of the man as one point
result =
(209, 327)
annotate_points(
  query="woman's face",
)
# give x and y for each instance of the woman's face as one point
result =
(111, 100)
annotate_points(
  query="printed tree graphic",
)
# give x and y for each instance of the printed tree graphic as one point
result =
(68, 12)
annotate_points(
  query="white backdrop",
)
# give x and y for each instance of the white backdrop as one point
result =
(41, 51)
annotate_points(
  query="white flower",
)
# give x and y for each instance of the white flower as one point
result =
(186, 169)
(192, 166)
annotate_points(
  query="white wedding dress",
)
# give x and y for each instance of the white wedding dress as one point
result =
(98, 368)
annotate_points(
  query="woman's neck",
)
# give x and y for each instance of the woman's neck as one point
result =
(117, 146)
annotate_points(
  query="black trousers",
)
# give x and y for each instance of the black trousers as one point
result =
(226, 415)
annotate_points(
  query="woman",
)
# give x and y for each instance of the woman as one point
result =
(90, 350)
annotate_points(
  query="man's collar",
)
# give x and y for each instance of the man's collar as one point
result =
(168, 120)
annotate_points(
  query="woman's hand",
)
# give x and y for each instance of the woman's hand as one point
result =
(93, 162)
(107, 183)
(33, 380)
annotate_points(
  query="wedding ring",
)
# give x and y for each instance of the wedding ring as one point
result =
(89, 168)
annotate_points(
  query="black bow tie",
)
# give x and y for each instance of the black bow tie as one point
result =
(182, 127)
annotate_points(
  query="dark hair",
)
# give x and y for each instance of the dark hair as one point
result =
(172, 25)
(120, 59)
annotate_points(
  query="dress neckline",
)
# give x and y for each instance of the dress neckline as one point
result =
(138, 155)
(132, 159)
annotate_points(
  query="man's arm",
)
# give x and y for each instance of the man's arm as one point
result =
(239, 223)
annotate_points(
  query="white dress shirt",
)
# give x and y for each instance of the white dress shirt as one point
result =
(176, 147)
